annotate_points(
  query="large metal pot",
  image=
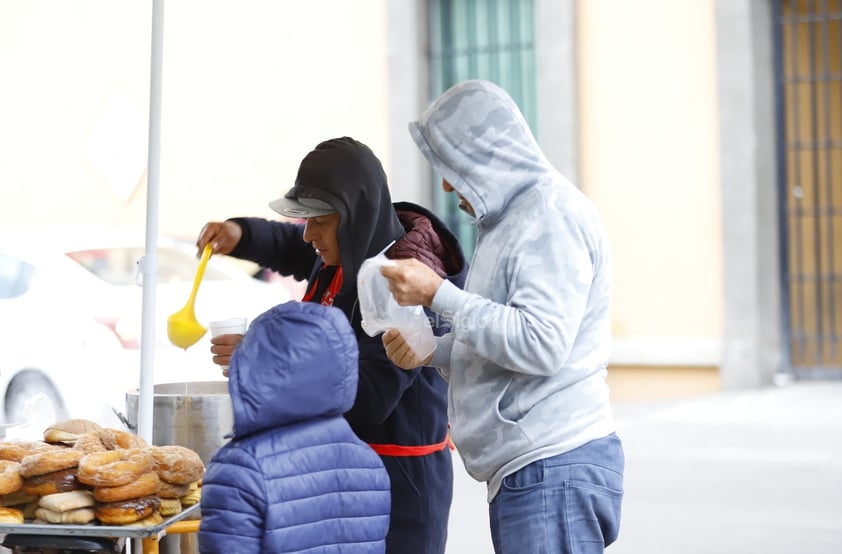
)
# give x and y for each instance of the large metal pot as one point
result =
(196, 415)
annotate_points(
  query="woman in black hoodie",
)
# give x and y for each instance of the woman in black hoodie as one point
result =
(402, 414)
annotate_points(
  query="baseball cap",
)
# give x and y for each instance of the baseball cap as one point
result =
(300, 207)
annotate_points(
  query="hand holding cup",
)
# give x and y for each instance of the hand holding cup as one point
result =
(226, 334)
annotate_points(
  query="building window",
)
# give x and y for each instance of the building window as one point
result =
(482, 39)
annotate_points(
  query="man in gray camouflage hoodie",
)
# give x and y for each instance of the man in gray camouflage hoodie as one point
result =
(530, 340)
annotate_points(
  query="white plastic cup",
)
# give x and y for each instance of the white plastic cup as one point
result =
(231, 326)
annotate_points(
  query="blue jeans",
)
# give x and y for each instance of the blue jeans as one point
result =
(567, 504)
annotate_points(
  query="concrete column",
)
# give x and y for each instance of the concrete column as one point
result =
(752, 336)
(555, 26)
(409, 70)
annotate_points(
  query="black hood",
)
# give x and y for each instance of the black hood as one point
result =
(346, 174)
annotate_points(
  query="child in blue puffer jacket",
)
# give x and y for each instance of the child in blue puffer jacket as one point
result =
(294, 476)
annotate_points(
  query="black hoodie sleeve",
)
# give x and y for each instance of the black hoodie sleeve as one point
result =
(381, 384)
(275, 245)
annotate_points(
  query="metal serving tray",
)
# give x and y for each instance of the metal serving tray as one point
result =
(97, 530)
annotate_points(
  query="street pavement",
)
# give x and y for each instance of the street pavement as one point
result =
(747, 472)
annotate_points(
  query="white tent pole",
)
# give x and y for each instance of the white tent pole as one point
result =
(146, 390)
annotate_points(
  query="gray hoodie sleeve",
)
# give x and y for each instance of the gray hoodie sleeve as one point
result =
(547, 288)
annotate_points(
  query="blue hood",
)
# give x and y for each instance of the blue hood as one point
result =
(297, 361)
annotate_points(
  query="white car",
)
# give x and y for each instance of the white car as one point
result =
(71, 310)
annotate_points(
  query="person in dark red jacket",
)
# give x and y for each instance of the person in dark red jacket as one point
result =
(342, 193)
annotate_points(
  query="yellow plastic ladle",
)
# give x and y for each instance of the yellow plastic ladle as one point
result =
(183, 329)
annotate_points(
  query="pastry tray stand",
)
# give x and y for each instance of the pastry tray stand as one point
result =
(179, 523)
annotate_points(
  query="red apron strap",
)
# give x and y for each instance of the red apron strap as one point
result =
(400, 450)
(332, 290)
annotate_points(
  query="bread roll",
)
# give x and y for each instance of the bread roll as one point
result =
(67, 501)
(69, 430)
(170, 506)
(82, 515)
(193, 496)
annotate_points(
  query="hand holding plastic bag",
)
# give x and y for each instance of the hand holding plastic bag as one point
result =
(399, 351)
(381, 312)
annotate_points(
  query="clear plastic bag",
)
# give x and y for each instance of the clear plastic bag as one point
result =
(380, 311)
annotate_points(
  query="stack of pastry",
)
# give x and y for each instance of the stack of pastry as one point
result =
(180, 471)
(50, 476)
(51, 471)
(125, 486)
(12, 494)
(45, 469)
(82, 471)
(49, 467)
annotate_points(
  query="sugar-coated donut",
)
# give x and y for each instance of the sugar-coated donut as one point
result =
(108, 439)
(113, 439)
(145, 485)
(127, 511)
(15, 451)
(48, 461)
(177, 464)
(63, 480)
(10, 515)
(89, 442)
(10, 479)
(114, 467)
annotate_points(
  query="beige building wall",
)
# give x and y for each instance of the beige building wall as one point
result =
(649, 158)
(248, 89)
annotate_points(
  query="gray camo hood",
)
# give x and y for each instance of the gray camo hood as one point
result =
(456, 134)
(530, 337)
